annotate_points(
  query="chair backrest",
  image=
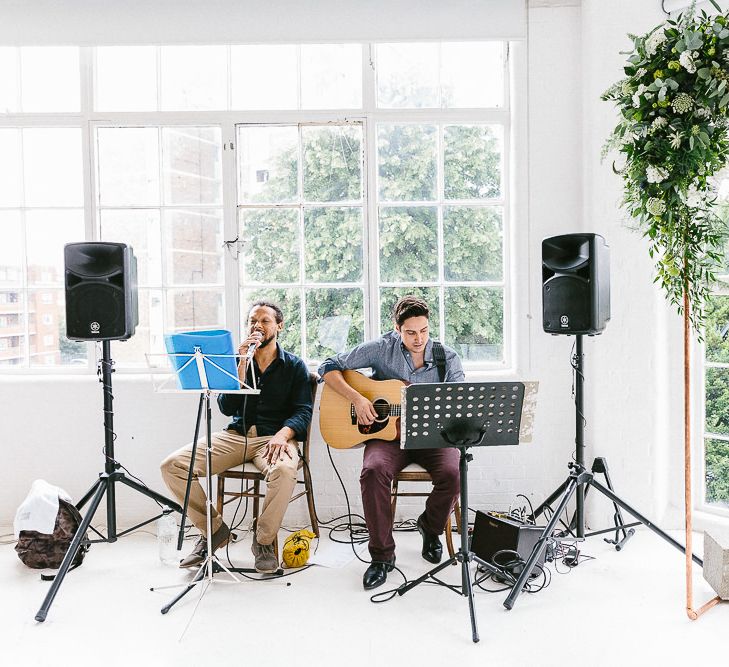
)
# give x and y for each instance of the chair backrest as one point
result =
(314, 384)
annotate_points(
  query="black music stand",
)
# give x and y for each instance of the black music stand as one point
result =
(460, 415)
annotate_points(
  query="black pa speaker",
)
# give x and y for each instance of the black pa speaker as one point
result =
(101, 291)
(575, 284)
(493, 533)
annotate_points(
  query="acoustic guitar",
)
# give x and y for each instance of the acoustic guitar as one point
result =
(338, 420)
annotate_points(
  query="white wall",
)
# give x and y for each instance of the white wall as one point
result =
(52, 427)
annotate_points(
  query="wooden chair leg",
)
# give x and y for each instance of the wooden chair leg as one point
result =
(219, 501)
(393, 496)
(457, 512)
(310, 501)
(449, 537)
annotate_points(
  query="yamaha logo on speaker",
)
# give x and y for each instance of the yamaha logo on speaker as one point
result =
(564, 322)
(95, 327)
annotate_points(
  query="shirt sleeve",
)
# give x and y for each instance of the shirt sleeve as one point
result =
(229, 404)
(365, 355)
(301, 405)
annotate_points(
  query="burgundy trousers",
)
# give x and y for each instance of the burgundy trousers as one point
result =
(382, 461)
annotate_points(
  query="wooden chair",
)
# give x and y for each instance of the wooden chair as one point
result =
(414, 472)
(252, 479)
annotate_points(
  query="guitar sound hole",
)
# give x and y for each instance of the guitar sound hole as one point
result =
(382, 408)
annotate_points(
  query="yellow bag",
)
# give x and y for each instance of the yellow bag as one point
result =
(296, 548)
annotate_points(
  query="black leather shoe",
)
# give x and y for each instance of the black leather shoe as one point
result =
(376, 574)
(221, 537)
(432, 548)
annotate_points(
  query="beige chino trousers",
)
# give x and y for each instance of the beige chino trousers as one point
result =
(229, 450)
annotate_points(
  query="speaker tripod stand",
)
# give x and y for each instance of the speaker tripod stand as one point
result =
(105, 485)
(577, 484)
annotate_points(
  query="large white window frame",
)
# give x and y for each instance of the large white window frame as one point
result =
(512, 164)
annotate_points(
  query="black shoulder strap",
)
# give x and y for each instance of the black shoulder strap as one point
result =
(440, 359)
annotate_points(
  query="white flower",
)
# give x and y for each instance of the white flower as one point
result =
(687, 61)
(682, 103)
(656, 174)
(654, 41)
(693, 198)
(640, 73)
(637, 94)
(658, 123)
(655, 206)
(702, 112)
(675, 139)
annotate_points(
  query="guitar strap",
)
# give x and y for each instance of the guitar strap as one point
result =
(440, 359)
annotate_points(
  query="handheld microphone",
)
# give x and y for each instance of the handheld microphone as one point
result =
(252, 348)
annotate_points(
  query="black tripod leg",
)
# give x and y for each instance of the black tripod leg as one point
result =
(570, 487)
(404, 588)
(150, 493)
(646, 522)
(101, 487)
(468, 592)
(599, 465)
(181, 535)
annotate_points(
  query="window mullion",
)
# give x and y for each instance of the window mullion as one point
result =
(231, 228)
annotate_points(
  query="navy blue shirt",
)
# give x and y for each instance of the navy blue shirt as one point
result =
(285, 398)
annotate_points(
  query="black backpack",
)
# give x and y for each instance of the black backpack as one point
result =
(41, 550)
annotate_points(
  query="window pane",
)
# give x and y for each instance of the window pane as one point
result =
(717, 400)
(472, 74)
(408, 244)
(46, 232)
(140, 229)
(195, 309)
(50, 79)
(12, 328)
(390, 295)
(11, 183)
(472, 161)
(334, 321)
(192, 163)
(126, 78)
(475, 322)
(9, 80)
(407, 76)
(331, 76)
(47, 327)
(717, 328)
(264, 77)
(332, 163)
(473, 243)
(194, 246)
(333, 244)
(128, 166)
(406, 158)
(194, 77)
(53, 170)
(289, 300)
(717, 472)
(11, 248)
(268, 164)
(147, 338)
(270, 245)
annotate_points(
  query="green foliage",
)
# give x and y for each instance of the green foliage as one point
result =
(717, 472)
(409, 234)
(673, 139)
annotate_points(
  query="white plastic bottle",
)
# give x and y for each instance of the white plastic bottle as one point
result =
(167, 538)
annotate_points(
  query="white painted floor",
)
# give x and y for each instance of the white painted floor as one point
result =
(624, 608)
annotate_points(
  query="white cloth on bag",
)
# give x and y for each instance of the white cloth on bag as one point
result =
(39, 509)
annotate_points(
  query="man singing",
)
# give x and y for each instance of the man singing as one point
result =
(403, 354)
(264, 430)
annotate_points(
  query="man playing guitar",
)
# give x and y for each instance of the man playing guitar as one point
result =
(406, 354)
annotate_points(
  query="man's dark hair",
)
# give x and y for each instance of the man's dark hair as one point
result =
(272, 306)
(407, 307)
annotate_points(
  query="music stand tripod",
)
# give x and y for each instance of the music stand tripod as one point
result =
(104, 485)
(211, 565)
(460, 415)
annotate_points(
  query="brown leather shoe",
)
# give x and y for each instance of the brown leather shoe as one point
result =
(221, 537)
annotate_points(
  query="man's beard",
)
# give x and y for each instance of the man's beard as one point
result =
(266, 341)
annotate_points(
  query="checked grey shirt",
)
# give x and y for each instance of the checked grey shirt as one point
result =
(389, 360)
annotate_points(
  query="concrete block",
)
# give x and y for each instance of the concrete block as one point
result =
(716, 561)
